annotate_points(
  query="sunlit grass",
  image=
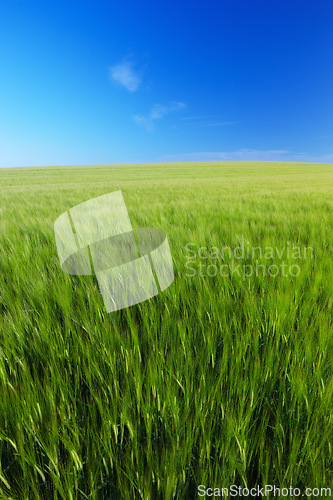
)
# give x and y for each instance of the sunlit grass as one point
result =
(216, 381)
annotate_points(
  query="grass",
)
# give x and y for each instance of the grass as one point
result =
(216, 381)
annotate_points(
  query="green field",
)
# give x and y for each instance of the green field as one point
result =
(220, 380)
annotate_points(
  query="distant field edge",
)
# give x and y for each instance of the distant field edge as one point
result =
(217, 163)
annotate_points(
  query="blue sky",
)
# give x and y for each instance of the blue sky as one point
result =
(103, 82)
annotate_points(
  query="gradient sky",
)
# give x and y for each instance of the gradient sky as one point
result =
(103, 82)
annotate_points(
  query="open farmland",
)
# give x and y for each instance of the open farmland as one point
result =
(224, 378)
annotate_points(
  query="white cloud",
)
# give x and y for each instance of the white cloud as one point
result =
(215, 124)
(251, 155)
(124, 74)
(156, 113)
(192, 124)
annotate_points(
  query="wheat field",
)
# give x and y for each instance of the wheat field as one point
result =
(225, 378)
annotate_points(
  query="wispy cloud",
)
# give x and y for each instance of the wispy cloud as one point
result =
(194, 124)
(156, 113)
(251, 155)
(215, 124)
(124, 73)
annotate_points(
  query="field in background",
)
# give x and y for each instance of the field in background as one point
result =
(216, 381)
